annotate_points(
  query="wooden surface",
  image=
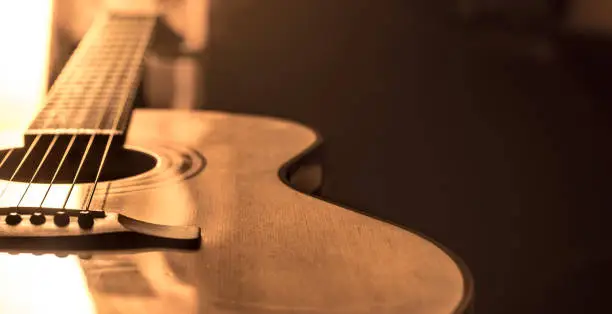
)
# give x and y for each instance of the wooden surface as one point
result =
(266, 248)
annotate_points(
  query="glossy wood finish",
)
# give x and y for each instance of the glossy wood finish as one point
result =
(266, 248)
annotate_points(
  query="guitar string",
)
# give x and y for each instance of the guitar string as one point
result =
(38, 136)
(91, 138)
(136, 59)
(8, 153)
(55, 137)
(4, 159)
(27, 154)
(68, 148)
(87, 149)
(113, 128)
(65, 153)
(46, 124)
(84, 157)
(25, 157)
(49, 122)
(99, 84)
(45, 156)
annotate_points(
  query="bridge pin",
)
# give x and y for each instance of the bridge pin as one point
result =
(37, 218)
(61, 218)
(13, 219)
(86, 219)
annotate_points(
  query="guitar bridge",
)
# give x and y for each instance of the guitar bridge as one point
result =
(40, 222)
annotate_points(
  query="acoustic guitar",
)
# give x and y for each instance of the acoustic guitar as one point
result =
(111, 209)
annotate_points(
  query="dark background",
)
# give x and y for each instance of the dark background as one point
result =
(489, 135)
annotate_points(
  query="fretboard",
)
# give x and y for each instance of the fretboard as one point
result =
(95, 90)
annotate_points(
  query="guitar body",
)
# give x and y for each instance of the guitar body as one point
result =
(264, 246)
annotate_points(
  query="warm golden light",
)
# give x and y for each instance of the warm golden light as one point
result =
(25, 36)
(43, 284)
(29, 283)
(47, 283)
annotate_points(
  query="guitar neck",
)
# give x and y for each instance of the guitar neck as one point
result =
(95, 90)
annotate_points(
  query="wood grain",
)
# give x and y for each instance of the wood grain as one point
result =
(266, 248)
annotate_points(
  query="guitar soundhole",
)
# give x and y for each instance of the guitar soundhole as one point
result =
(120, 162)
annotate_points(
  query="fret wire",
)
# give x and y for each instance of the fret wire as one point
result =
(77, 55)
(98, 85)
(82, 113)
(65, 74)
(101, 32)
